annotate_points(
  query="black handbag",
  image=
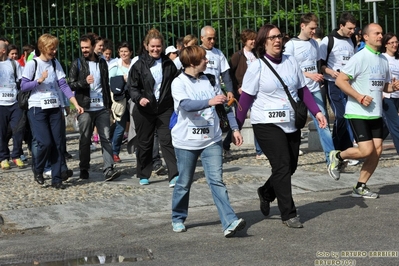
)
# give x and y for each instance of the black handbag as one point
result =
(301, 111)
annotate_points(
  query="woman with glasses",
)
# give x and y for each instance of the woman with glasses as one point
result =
(278, 137)
(390, 108)
(197, 134)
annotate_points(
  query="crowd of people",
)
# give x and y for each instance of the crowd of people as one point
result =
(180, 99)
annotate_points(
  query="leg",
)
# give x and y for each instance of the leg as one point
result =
(187, 161)
(57, 156)
(324, 133)
(4, 121)
(17, 131)
(145, 127)
(118, 133)
(212, 161)
(85, 130)
(102, 122)
(165, 140)
(283, 157)
(341, 137)
(391, 118)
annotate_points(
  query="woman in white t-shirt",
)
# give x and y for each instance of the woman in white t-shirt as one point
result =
(390, 108)
(197, 133)
(44, 77)
(273, 119)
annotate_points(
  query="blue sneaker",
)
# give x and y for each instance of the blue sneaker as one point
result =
(172, 182)
(235, 226)
(178, 227)
(144, 182)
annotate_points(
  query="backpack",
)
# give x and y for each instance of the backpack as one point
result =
(23, 96)
(331, 44)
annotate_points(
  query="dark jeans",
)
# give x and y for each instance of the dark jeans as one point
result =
(118, 132)
(46, 125)
(282, 150)
(10, 116)
(87, 121)
(146, 124)
(342, 133)
(390, 109)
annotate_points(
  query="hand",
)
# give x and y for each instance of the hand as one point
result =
(143, 102)
(90, 79)
(236, 138)
(43, 77)
(79, 109)
(365, 100)
(321, 119)
(239, 91)
(230, 95)
(218, 99)
(316, 77)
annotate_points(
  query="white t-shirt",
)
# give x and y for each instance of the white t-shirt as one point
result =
(307, 54)
(177, 63)
(217, 63)
(46, 95)
(156, 71)
(96, 91)
(195, 130)
(340, 54)
(8, 86)
(368, 73)
(271, 102)
(394, 69)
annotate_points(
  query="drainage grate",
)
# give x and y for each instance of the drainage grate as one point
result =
(80, 257)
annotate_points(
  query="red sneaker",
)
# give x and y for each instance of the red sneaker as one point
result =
(117, 159)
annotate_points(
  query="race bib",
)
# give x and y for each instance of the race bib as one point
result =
(8, 95)
(310, 69)
(376, 85)
(280, 115)
(96, 100)
(212, 63)
(200, 130)
(49, 100)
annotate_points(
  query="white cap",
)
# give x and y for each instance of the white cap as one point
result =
(170, 49)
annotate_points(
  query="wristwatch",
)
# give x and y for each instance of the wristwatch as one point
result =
(235, 130)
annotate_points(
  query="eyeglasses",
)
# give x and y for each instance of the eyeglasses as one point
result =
(272, 38)
(211, 38)
(391, 43)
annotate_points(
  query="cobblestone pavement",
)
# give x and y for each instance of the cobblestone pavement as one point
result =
(19, 190)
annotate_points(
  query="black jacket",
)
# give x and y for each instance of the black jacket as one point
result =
(77, 81)
(140, 84)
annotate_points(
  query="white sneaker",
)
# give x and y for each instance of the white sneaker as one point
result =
(300, 152)
(47, 173)
(352, 162)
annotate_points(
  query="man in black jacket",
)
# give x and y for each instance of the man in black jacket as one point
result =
(88, 77)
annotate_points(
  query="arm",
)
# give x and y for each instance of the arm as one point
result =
(309, 101)
(228, 83)
(246, 101)
(69, 94)
(194, 105)
(342, 82)
(133, 83)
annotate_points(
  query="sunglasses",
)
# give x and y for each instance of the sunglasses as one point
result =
(211, 38)
(274, 37)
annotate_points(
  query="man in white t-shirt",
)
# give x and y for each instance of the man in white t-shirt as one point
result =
(306, 51)
(365, 76)
(335, 51)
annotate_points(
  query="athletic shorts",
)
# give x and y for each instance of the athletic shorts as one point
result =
(364, 130)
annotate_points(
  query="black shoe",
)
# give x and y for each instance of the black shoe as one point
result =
(84, 174)
(293, 223)
(39, 179)
(66, 174)
(67, 155)
(58, 186)
(264, 204)
(111, 174)
(158, 169)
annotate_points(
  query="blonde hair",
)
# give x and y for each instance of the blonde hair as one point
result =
(190, 38)
(47, 42)
(153, 34)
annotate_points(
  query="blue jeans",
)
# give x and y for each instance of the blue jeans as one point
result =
(390, 109)
(47, 131)
(257, 147)
(118, 133)
(87, 121)
(324, 133)
(342, 133)
(212, 161)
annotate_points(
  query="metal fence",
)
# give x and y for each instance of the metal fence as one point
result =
(25, 20)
